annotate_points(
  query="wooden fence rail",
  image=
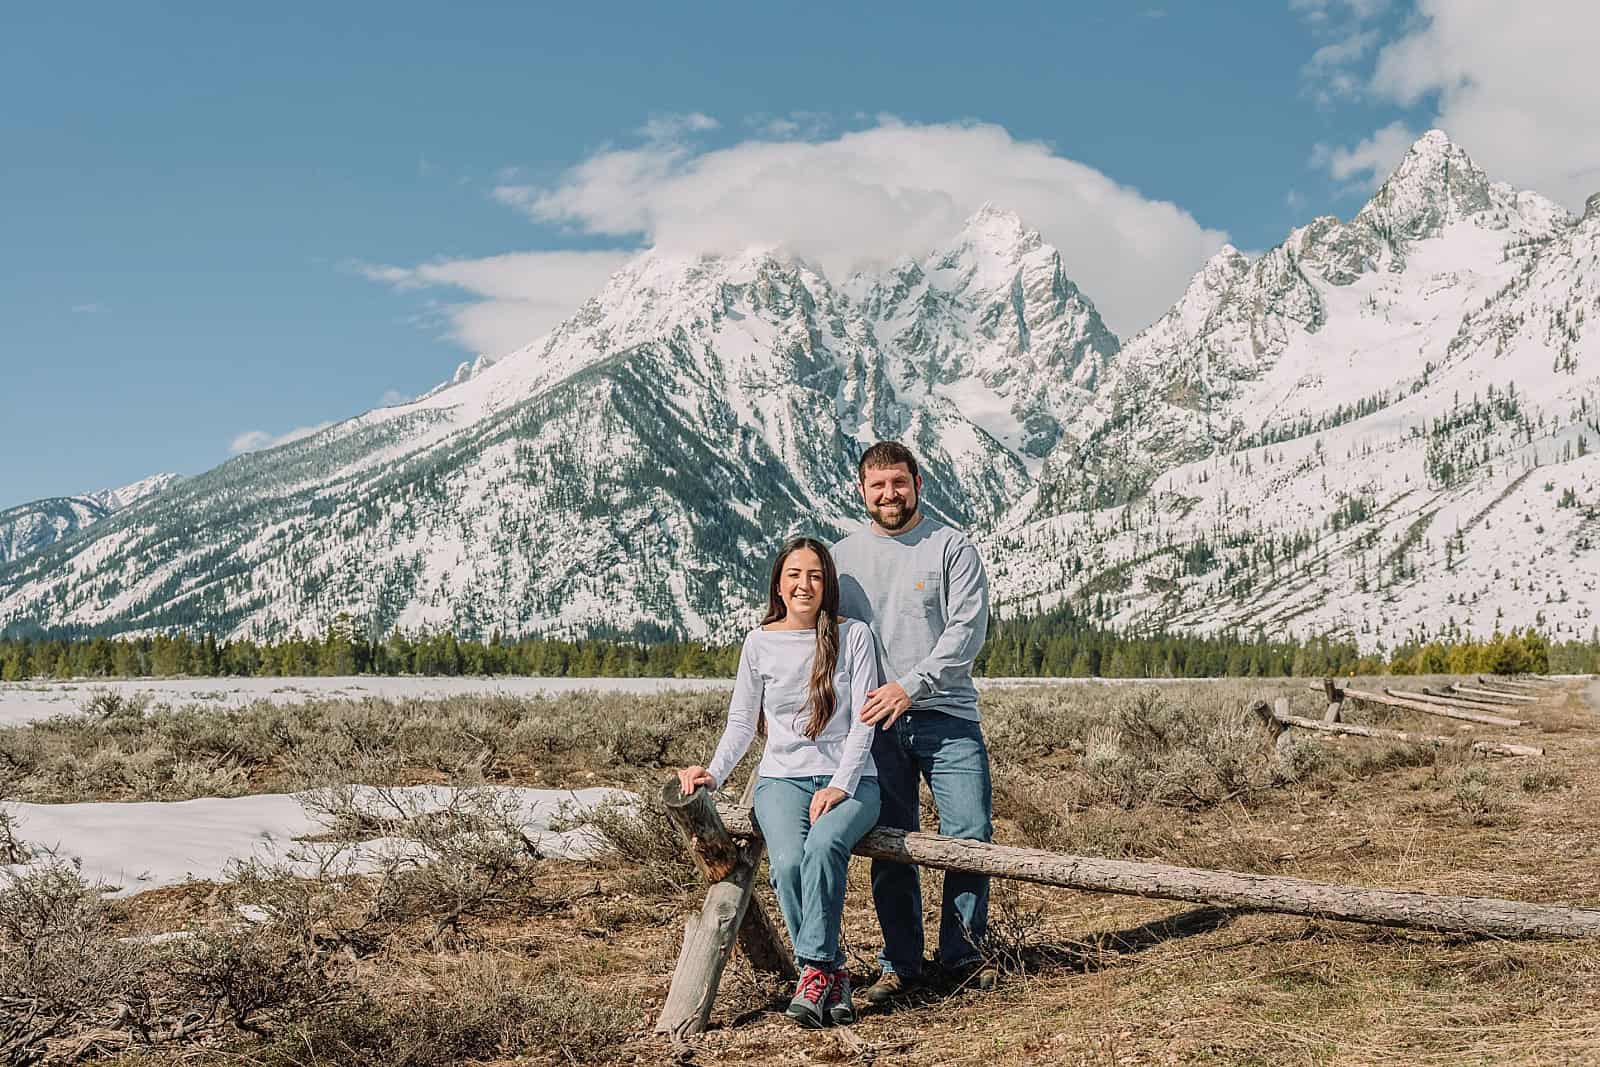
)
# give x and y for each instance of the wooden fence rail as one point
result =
(1256, 892)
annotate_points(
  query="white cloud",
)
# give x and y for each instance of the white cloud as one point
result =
(514, 298)
(1514, 84)
(256, 440)
(868, 197)
(806, 125)
(1321, 11)
(672, 127)
(1333, 72)
(391, 397)
(1369, 162)
(1344, 51)
(88, 309)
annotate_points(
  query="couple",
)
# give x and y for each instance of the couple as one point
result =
(863, 675)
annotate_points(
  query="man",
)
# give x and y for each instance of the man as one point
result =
(920, 586)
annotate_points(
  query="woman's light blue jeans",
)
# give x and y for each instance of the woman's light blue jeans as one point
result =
(808, 863)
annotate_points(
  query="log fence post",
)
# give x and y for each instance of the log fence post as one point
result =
(709, 937)
(1335, 695)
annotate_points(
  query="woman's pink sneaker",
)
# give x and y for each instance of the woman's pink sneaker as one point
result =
(841, 1009)
(810, 996)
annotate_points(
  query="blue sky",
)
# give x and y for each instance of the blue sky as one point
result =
(220, 218)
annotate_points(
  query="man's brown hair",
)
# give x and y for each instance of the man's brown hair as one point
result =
(886, 454)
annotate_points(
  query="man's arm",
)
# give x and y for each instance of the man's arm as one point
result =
(966, 625)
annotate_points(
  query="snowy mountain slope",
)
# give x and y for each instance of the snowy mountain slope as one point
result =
(628, 473)
(40, 523)
(1383, 430)
(1309, 333)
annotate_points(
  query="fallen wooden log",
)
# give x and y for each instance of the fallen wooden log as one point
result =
(1426, 706)
(1503, 698)
(1463, 703)
(1480, 702)
(1259, 892)
(1497, 748)
(1524, 687)
(1417, 703)
(708, 937)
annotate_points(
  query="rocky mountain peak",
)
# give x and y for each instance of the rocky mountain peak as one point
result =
(997, 227)
(1591, 208)
(992, 247)
(1436, 183)
(1226, 266)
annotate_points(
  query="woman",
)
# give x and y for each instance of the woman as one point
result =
(807, 671)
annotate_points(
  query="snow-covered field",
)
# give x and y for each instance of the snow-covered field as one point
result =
(22, 702)
(30, 701)
(131, 848)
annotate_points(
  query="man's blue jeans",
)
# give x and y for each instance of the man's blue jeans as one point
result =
(808, 863)
(950, 754)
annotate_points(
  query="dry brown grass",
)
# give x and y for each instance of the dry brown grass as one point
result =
(1091, 979)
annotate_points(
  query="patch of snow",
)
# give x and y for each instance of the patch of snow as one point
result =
(131, 848)
(22, 702)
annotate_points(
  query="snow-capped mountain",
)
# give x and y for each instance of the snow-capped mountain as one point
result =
(1311, 332)
(1025, 364)
(628, 473)
(1380, 429)
(40, 523)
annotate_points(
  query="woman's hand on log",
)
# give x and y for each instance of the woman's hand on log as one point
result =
(690, 777)
(823, 800)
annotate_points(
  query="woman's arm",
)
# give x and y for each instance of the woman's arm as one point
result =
(863, 663)
(743, 709)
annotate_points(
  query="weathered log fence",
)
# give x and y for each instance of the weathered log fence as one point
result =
(1279, 719)
(730, 911)
(1452, 702)
(1421, 703)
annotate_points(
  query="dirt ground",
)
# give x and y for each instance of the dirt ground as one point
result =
(1102, 979)
(1119, 980)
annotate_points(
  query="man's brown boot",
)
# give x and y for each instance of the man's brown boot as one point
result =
(889, 986)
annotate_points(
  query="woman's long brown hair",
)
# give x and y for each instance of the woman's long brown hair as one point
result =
(821, 698)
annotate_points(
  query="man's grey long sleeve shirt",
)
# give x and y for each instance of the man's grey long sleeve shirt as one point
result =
(926, 598)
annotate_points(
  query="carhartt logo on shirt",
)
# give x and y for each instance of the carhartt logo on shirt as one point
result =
(919, 585)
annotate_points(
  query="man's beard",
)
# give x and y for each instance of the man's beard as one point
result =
(907, 513)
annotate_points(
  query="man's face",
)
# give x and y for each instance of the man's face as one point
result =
(890, 494)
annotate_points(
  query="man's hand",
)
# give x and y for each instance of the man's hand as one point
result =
(885, 704)
(823, 800)
(690, 777)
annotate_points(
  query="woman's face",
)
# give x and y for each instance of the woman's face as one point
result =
(800, 585)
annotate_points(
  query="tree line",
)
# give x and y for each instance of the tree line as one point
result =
(1060, 643)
